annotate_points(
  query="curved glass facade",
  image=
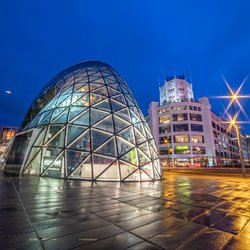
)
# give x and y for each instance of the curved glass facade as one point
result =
(92, 129)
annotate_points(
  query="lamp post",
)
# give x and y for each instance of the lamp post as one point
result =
(237, 131)
(234, 98)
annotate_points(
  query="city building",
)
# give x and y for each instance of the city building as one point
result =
(86, 124)
(6, 134)
(187, 132)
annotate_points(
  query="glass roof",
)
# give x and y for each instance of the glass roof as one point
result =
(92, 129)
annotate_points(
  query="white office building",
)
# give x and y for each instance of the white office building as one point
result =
(188, 132)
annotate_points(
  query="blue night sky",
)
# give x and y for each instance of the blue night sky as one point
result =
(143, 40)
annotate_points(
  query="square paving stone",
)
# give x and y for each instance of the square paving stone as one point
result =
(209, 218)
(144, 246)
(83, 238)
(157, 227)
(231, 223)
(139, 221)
(208, 239)
(116, 242)
(174, 237)
(238, 243)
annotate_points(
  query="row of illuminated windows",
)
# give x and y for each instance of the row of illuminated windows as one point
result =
(181, 128)
(180, 117)
(224, 138)
(183, 150)
(179, 108)
(181, 139)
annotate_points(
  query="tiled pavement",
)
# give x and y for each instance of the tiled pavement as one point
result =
(178, 213)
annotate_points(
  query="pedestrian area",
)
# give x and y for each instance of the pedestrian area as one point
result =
(180, 212)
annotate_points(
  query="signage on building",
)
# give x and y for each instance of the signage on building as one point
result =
(55, 169)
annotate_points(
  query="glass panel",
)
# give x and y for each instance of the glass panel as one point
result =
(131, 157)
(128, 135)
(113, 92)
(66, 90)
(63, 117)
(109, 81)
(82, 143)
(100, 163)
(115, 86)
(120, 124)
(147, 173)
(123, 146)
(96, 98)
(74, 158)
(81, 88)
(109, 148)
(101, 91)
(116, 106)
(74, 132)
(106, 124)
(82, 119)
(124, 89)
(97, 115)
(56, 168)
(82, 101)
(144, 148)
(39, 140)
(123, 114)
(34, 166)
(46, 119)
(111, 173)
(49, 155)
(139, 137)
(75, 111)
(58, 141)
(98, 138)
(50, 105)
(52, 130)
(61, 99)
(33, 152)
(105, 105)
(120, 98)
(126, 169)
(142, 158)
(56, 113)
(84, 171)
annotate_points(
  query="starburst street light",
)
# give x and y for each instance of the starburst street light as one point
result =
(234, 98)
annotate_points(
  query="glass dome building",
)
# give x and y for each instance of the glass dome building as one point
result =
(91, 129)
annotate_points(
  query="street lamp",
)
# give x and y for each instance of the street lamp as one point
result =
(234, 98)
(237, 131)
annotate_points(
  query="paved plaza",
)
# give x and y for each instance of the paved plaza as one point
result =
(181, 212)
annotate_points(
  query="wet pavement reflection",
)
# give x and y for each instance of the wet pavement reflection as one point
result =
(181, 212)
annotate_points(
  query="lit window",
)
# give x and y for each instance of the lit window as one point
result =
(197, 139)
(195, 117)
(182, 149)
(179, 117)
(181, 138)
(199, 150)
(164, 119)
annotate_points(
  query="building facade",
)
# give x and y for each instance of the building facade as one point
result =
(88, 126)
(188, 132)
(6, 134)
